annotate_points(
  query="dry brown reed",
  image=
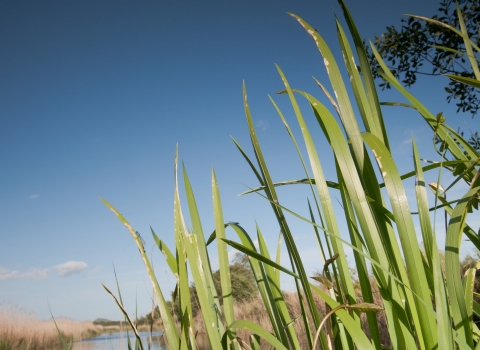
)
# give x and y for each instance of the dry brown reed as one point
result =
(23, 330)
(254, 310)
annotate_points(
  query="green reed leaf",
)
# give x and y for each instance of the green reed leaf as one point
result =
(255, 329)
(406, 232)
(273, 277)
(259, 257)
(455, 288)
(169, 326)
(352, 327)
(271, 194)
(169, 258)
(126, 316)
(222, 254)
(199, 271)
(464, 80)
(368, 79)
(444, 329)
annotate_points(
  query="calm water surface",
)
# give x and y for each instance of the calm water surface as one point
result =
(119, 341)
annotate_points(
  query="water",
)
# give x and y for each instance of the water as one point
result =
(119, 341)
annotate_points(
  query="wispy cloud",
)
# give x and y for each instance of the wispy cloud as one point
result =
(404, 146)
(262, 124)
(70, 268)
(34, 196)
(33, 273)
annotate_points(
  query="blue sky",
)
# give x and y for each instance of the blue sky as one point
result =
(96, 95)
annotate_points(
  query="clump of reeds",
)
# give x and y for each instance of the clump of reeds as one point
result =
(20, 329)
(408, 300)
(254, 310)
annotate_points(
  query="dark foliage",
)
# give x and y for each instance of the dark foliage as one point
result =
(243, 284)
(408, 51)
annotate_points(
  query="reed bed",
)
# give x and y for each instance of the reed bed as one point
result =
(409, 299)
(25, 331)
(254, 310)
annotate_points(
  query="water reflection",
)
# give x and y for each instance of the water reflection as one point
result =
(119, 341)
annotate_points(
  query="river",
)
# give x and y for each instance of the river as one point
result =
(119, 341)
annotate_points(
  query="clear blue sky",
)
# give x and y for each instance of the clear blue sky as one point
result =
(94, 96)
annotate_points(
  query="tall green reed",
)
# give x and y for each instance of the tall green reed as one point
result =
(425, 307)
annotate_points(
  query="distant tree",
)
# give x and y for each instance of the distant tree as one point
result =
(193, 301)
(242, 279)
(408, 51)
(242, 259)
(243, 284)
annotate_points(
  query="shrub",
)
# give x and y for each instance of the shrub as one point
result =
(243, 285)
(242, 279)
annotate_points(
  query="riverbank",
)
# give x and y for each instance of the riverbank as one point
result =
(20, 329)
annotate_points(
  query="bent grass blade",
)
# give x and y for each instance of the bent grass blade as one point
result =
(352, 327)
(121, 302)
(60, 335)
(255, 329)
(259, 257)
(169, 257)
(138, 341)
(169, 326)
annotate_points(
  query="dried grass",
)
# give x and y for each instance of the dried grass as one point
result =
(23, 330)
(254, 310)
